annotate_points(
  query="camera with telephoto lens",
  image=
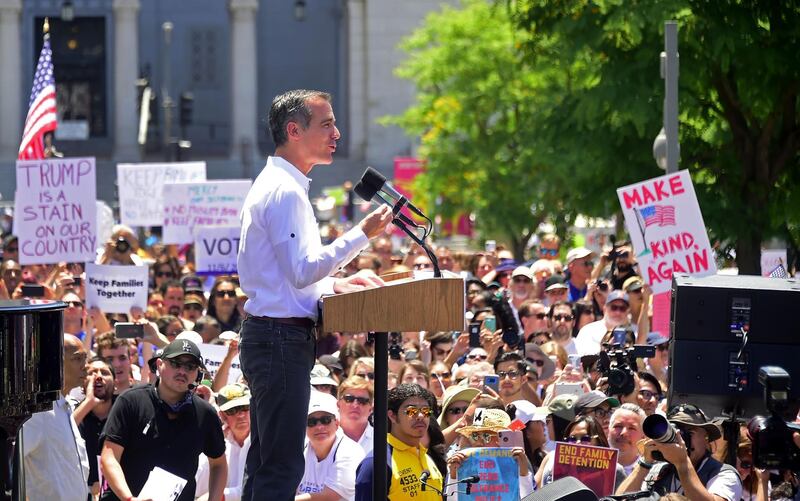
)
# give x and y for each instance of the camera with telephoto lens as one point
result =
(502, 311)
(122, 245)
(618, 366)
(658, 428)
(395, 350)
(773, 445)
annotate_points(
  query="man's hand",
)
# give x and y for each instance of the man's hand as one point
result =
(364, 279)
(376, 221)
(522, 460)
(91, 399)
(673, 452)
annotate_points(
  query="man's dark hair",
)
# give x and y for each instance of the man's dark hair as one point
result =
(557, 304)
(526, 307)
(403, 392)
(646, 376)
(510, 356)
(202, 322)
(435, 338)
(291, 106)
(98, 358)
(170, 284)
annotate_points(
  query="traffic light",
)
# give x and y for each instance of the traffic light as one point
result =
(186, 105)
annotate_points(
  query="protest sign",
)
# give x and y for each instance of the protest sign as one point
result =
(498, 472)
(215, 249)
(55, 210)
(213, 355)
(667, 230)
(116, 289)
(771, 259)
(208, 203)
(141, 186)
(596, 467)
(105, 223)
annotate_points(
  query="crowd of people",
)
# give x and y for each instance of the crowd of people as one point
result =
(197, 426)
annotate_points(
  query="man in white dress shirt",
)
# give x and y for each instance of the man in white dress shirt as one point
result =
(284, 269)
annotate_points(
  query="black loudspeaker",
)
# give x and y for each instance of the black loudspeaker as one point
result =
(713, 363)
(563, 489)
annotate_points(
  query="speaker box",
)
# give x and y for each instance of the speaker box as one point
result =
(563, 489)
(713, 363)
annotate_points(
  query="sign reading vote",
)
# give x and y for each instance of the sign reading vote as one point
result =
(208, 203)
(498, 472)
(141, 186)
(116, 289)
(596, 467)
(215, 249)
(55, 210)
(666, 227)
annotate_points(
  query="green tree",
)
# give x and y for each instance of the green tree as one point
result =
(739, 82)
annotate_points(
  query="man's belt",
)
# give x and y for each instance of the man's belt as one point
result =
(296, 321)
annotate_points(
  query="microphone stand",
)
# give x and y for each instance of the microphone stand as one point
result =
(443, 492)
(400, 224)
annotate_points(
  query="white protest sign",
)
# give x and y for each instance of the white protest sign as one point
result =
(105, 223)
(116, 288)
(667, 230)
(162, 485)
(208, 203)
(141, 200)
(213, 355)
(215, 248)
(55, 210)
(770, 259)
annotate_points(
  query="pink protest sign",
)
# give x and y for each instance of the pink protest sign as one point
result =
(666, 227)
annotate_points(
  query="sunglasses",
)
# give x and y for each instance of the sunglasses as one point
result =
(485, 436)
(237, 410)
(588, 264)
(477, 357)
(352, 398)
(565, 318)
(601, 413)
(74, 304)
(662, 347)
(648, 395)
(414, 411)
(537, 362)
(314, 421)
(746, 465)
(423, 266)
(168, 274)
(455, 411)
(192, 306)
(441, 375)
(583, 439)
(548, 252)
(366, 375)
(509, 374)
(540, 316)
(618, 307)
(187, 366)
(519, 280)
(222, 294)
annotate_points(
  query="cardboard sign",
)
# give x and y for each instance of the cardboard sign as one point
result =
(208, 203)
(498, 472)
(596, 467)
(667, 230)
(141, 187)
(213, 355)
(116, 289)
(216, 248)
(55, 210)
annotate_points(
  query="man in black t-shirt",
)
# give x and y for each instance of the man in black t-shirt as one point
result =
(163, 426)
(91, 414)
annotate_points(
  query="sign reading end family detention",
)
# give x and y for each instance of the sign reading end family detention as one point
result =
(596, 467)
(55, 208)
(116, 289)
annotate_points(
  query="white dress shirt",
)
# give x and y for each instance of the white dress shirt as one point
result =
(56, 463)
(236, 455)
(337, 471)
(283, 266)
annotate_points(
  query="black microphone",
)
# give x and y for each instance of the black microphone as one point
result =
(474, 479)
(424, 478)
(372, 194)
(376, 180)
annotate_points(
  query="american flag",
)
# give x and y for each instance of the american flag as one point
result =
(658, 214)
(779, 272)
(42, 107)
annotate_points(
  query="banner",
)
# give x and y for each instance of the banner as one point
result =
(141, 186)
(55, 210)
(667, 230)
(208, 203)
(213, 355)
(498, 472)
(594, 466)
(216, 248)
(116, 289)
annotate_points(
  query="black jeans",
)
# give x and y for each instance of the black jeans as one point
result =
(276, 360)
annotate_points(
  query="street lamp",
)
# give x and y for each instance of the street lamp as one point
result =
(666, 149)
(300, 10)
(67, 11)
(660, 149)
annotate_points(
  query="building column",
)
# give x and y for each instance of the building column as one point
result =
(244, 82)
(357, 77)
(126, 72)
(11, 97)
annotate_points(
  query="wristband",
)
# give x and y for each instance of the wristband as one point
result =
(644, 464)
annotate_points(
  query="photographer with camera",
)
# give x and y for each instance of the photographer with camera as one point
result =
(679, 459)
(121, 247)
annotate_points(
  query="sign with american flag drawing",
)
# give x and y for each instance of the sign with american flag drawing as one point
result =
(666, 228)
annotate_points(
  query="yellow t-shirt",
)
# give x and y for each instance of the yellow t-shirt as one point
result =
(408, 463)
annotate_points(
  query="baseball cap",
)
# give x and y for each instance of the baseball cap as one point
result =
(617, 296)
(655, 339)
(632, 284)
(505, 265)
(578, 253)
(182, 347)
(192, 336)
(323, 402)
(522, 271)
(555, 282)
(321, 375)
(563, 406)
(192, 283)
(233, 395)
(331, 362)
(193, 299)
(594, 398)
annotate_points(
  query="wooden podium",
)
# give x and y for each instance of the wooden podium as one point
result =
(403, 304)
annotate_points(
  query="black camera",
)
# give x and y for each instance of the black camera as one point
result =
(395, 350)
(658, 428)
(122, 245)
(618, 365)
(502, 311)
(773, 446)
